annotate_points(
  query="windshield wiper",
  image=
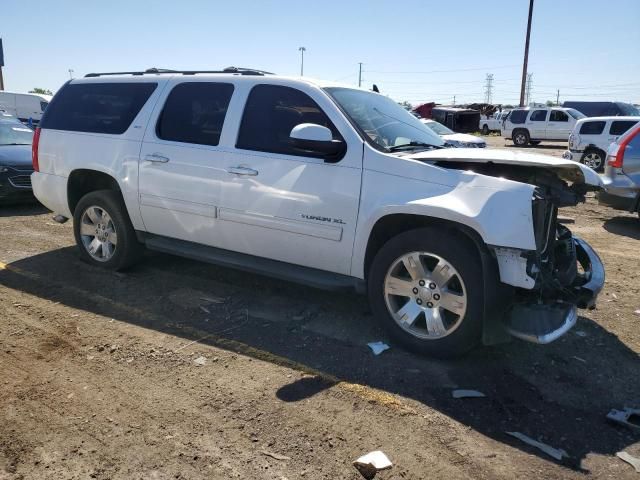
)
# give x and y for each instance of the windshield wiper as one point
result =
(411, 146)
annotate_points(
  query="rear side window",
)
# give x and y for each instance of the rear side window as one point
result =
(271, 113)
(518, 116)
(538, 116)
(618, 127)
(592, 128)
(97, 107)
(194, 113)
(558, 116)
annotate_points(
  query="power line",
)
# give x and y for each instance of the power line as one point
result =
(441, 71)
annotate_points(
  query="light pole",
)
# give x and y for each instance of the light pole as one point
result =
(302, 50)
(71, 73)
(526, 55)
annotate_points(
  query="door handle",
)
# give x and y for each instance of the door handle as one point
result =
(156, 158)
(242, 171)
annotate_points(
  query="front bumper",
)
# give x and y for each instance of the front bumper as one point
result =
(543, 322)
(15, 183)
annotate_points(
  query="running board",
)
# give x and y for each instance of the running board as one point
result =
(250, 263)
(541, 323)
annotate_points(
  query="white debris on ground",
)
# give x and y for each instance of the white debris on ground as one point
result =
(630, 459)
(378, 347)
(200, 361)
(467, 394)
(556, 453)
(371, 463)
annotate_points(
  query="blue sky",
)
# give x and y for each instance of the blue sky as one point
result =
(415, 50)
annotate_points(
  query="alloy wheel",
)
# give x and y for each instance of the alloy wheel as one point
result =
(98, 233)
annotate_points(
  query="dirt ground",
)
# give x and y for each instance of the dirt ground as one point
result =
(184, 370)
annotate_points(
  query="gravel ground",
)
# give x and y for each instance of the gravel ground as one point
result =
(178, 369)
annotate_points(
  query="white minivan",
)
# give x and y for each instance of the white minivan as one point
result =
(25, 106)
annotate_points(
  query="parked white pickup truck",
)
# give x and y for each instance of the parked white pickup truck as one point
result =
(322, 184)
(492, 123)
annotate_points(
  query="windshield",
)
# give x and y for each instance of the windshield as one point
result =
(386, 124)
(575, 113)
(15, 134)
(438, 128)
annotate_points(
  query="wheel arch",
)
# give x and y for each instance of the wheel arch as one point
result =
(82, 181)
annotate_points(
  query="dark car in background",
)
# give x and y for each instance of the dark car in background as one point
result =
(15, 161)
(603, 109)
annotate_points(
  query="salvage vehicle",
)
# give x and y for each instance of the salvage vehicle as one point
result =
(531, 125)
(322, 184)
(591, 137)
(492, 123)
(15, 161)
(452, 138)
(622, 174)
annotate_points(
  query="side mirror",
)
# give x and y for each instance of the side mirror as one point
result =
(316, 139)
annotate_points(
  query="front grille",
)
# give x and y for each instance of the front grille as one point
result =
(21, 181)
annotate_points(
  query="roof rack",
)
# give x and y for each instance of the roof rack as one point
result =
(234, 70)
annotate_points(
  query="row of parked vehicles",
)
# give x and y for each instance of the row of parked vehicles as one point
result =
(325, 185)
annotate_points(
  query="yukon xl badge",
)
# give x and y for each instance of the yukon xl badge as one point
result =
(322, 219)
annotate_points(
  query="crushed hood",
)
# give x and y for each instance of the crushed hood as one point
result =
(565, 169)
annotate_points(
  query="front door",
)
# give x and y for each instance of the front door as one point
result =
(182, 164)
(286, 204)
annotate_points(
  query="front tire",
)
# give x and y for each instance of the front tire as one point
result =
(103, 232)
(425, 289)
(520, 138)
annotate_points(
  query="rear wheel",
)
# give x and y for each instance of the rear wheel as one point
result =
(520, 138)
(103, 231)
(593, 158)
(425, 289)
(485, 129)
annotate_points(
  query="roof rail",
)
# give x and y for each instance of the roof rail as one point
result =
(234, 70)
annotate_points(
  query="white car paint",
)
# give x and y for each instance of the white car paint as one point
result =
(452, 138)
(493, 122)
(25, 106)
(583, 136)
(279, 214)
(543, 123)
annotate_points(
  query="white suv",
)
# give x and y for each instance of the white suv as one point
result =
(591, 137)
(321, 184)
(532, 125)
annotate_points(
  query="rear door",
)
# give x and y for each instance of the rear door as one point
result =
(182, 165)
(537, 124)
(560, 125)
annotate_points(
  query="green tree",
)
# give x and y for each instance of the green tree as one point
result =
(41, 91)
(406, 105)
(550, 103)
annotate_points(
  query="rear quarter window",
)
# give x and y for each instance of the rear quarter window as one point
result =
(518, 116)
(592, 128)
(97, 107)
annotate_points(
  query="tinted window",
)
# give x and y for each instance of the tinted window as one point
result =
(558, 116)
(43, 106)
(538, 116)
(194, 113)
(592, 128)
(271, 113)
(620, 126)
(97, 107)
(518, 116)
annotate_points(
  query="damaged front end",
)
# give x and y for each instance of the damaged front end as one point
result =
(562, 274)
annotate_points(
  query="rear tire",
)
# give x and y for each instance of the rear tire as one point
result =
(593, 158)
(485, 129)
(435, 305)
(103, 231)
(520, 138)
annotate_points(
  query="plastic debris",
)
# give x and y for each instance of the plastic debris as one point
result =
(378, 347)
(200, 361)
(549, 450)
(277, 456)
(629, 417)
(467, 394)
(371, 463)
(637, 312)
(630, 459)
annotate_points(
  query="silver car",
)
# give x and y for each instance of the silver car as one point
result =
(622, 173)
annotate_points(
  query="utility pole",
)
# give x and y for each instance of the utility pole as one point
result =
(454, 100)
(71, 74)
(528, 88)
(1, 65)
(526, 55)
(558, 99)
(302, 50)
(488, 88)
(359, 74)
